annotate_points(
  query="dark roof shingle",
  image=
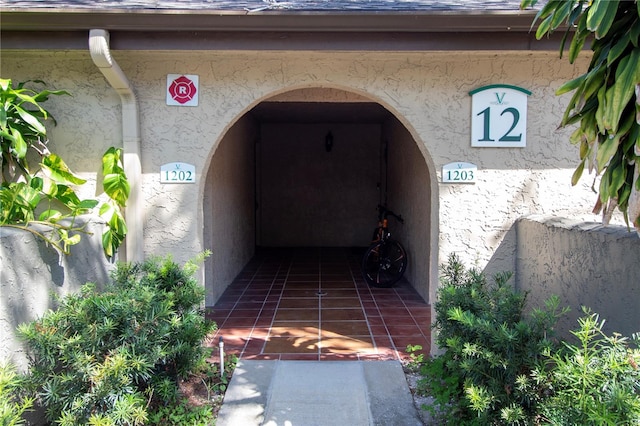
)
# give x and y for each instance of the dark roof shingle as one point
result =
(273, 5)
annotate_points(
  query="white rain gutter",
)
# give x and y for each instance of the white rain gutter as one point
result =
(99, 48)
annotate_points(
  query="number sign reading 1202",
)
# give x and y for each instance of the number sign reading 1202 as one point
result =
(177, 173)
(459, 173)
(499, 116)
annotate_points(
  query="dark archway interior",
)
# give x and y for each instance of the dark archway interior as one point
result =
(310, 174)
(320, 173)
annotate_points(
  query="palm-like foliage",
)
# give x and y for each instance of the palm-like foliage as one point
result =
(606, 99)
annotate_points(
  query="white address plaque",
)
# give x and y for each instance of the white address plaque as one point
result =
(177, 173)
(499, 116)
(459, 173)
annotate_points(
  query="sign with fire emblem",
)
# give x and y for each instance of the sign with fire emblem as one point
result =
(182, 90)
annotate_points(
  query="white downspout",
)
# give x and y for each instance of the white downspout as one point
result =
(99, 48)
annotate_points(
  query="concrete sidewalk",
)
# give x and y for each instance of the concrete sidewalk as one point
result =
(318, 393)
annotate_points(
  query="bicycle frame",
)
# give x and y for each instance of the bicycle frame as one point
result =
(385, 260)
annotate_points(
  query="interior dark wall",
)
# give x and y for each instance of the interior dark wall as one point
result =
(410, 195)
(310, 197)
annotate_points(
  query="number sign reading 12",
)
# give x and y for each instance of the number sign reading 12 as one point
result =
(459, 173)
(499, 116)
(177, 173)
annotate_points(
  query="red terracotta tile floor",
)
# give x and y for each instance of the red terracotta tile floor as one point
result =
(312, 304)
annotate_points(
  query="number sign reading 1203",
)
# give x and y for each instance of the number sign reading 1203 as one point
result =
(499, 116)
(459, 173)
(177, 173)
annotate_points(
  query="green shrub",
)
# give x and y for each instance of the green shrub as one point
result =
(202, 409)
(106, 357)
(595, 382)
(13, 400)
(491, 347)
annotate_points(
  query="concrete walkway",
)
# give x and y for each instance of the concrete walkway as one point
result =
(318, 393)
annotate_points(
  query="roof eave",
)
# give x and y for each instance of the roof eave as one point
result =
(288, 21)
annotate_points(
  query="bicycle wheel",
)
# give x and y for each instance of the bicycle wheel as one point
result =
(384, 263)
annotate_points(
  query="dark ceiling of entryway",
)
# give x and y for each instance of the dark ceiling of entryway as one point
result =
(320, 112)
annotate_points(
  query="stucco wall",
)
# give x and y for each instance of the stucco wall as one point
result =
(426, 91)
(410, 195)
(585, 264)
(33, 272)
(229, 208)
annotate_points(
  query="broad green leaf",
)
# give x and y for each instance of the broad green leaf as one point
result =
(638, 102)
(117, 188)
(619, 95)
(634, 32)
(548, 9)
(580, 35)
(37, 183)
(59, 171)
(617, 179)
(31, 120)
(44, 94)
(67, 196)
(544, 27)
(28, 196)
(106, 211)
(561, 14)
(618, 48)
(50, 215)
(596, 78)
(577, 174)
(604, 188)
(576, 137)
(576, 47)
(49, 187)
(606, 151)
(585, 147)
(18, 143)
(3, 118)
(600, 112)
(601, 15)
(87, 204)
(107, 242)
(571, 85)
(117, 224)
(111, 161)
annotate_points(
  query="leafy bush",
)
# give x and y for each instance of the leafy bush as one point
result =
(491, 347)
(197, 411)
(596, 381)
(106, 357)
(502, 368)
(13, 401)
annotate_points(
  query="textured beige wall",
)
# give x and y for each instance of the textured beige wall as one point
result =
(585, 264)
(410, 194)
(428, 93)
(229, 208)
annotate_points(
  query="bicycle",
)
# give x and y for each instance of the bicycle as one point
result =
(385, 261)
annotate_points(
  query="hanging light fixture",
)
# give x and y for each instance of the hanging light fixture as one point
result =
(328, 142)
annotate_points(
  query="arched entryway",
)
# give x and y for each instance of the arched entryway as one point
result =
(306, 169)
